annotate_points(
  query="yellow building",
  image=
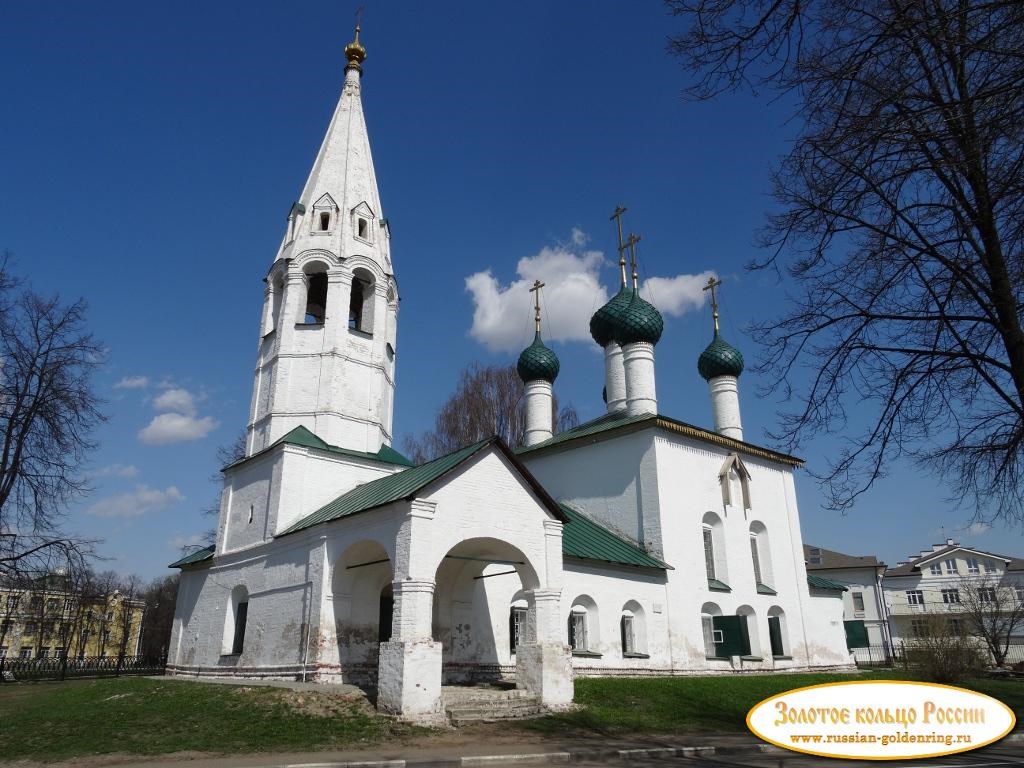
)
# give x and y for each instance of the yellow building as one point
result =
(45, 619)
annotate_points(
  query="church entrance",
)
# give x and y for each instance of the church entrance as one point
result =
(363, 603)
(479, 582)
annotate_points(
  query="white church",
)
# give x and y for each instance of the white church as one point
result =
(633, 544)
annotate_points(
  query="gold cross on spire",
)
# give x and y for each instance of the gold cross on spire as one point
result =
(617, 216)
(712, 284)
(631, 242)
(537, 285)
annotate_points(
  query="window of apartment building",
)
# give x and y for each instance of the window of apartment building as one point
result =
(986, 594)
(6, 626)
(915, 597)
(935, 569)
(972, 565)
(35, 602)
(955, 626)
(951, 566)
(30, 628)
(105, 636)
(950, 596)
(69, 605)
(919, 628)
(815, 558)
(110, 616)
(990, 567)
(51, 604)
(12, 602)
(858, 602)
(60, 653)
(25, 653)
(44, 653)
(1020, 594)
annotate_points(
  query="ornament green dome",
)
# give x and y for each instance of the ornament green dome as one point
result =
(640, 322)
(538, 362)
(720, 358)
(606, 324)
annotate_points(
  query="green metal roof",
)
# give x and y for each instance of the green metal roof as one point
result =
(718, 586)
(605, 325)
(619, 420)
(206, 553)
(640, 322)
(820, 582)
(588, 540)
(302, 436)
(405, 485)
(764, 589)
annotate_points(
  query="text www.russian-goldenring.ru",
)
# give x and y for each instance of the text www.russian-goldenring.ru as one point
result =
(904, 737)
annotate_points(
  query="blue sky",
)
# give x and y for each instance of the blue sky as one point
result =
(152, 151)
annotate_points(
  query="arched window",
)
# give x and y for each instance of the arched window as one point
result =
(750, 640)
(712, 636)
(713, 535)
(316, 294)
(360, 305)
(777, 632)
(761, 558)
(583, 627)
(517, 624)
(235, 619)
(633, 630)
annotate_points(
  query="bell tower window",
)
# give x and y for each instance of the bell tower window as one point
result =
(324, 215)
(325, 221)
(362, 223)
(360, 305)
(316, 298)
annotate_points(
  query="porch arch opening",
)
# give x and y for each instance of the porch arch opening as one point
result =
(362, 602)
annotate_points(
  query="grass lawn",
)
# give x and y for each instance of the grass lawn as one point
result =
(618, 706)
(50, 721)
(55, 721)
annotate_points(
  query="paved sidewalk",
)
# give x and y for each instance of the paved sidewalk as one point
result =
(471, 754)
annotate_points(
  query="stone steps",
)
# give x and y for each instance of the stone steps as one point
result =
(474, 705)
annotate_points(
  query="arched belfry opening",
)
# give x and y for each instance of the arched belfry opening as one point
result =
(316, 293)
(361, 300)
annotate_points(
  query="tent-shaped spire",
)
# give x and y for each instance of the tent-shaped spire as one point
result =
(339, 209)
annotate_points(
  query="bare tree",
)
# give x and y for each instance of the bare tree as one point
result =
(48, 411)
(900, 223)
(487, 401)
(992, 610)
(127, 608)
(227, 454)
(159, 598)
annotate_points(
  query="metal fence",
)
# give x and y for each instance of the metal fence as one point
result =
(56, 668)
(872, 656)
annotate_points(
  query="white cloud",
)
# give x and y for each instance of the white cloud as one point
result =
(176, 428)
(502, 314)
(976, 529)
(117, 470)
(179, 543)
(176, 400)
(132, 382)
(135, 503)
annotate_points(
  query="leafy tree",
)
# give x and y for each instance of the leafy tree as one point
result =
(48, 410)
(487, 401)
(992, 610)
(901, 222)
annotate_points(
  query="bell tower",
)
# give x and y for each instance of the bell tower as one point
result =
(330, 310)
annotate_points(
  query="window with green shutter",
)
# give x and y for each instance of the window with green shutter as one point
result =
(735, 637)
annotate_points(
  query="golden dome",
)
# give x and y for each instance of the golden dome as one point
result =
(355, 52)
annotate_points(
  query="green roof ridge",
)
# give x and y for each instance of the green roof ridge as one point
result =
(198, 556)
(820, 582)
(587, 539)
(302, 436)
(386, 490)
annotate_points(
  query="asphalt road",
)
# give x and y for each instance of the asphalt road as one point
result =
(990, 757)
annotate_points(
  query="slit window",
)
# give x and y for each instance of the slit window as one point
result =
(709, 553)
(626, 631)
(325, 221)
(362, 227)
(578, 629)
(241, 614)
(516, 628)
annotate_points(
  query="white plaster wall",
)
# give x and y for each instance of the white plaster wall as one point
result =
(612, 481)
(284, 485)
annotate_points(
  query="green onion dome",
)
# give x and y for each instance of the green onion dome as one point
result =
(538, 362)
(640, 322)
(720, 359)
(606, 324)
